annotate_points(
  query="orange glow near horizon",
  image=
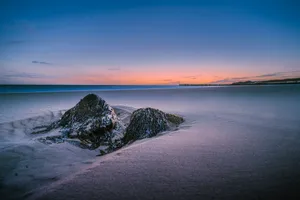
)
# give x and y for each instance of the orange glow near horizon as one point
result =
(156, 75)
(147, 78)
(151, 75)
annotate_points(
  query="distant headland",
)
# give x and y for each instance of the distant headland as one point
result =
(266, 82)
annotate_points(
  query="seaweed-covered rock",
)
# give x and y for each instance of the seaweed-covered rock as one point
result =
(91, 117)
(148, 122)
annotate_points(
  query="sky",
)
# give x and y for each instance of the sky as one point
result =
(131, 42)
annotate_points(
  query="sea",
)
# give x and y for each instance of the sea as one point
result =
(278, 101)
(5, 89)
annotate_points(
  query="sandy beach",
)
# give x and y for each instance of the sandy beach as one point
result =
(238, 142)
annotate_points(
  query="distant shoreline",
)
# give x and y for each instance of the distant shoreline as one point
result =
(268, 82)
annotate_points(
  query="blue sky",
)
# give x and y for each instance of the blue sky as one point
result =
(148, 42)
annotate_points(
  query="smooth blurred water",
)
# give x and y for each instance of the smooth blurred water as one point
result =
(6, 89)
(265, 102)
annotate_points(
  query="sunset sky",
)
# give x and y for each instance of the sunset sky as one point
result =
(148, 42)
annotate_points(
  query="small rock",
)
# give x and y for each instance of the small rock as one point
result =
(148, 122)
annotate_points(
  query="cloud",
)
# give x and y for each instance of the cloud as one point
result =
(26, 75)
(279, 74)
(114, 69)
(268, 75)
(226, 80)
(275, 75)
(192, 77)
(12, 77)
(41, 62)
(14, 42)
(230, 80)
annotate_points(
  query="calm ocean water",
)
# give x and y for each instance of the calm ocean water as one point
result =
(268, 101)
(75, 88)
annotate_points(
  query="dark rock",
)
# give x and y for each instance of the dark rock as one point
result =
(90, 118)
(148, 122)
(174, 119)
(92, 121)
